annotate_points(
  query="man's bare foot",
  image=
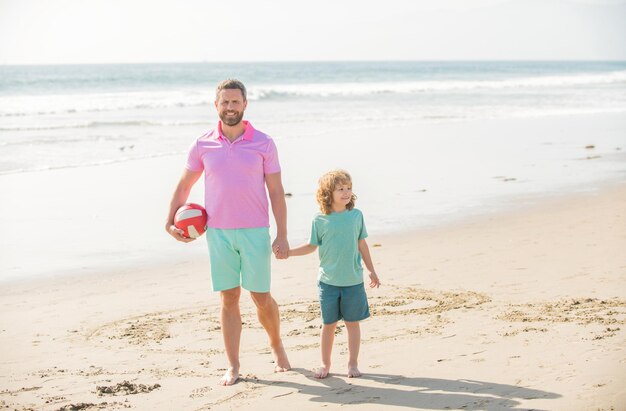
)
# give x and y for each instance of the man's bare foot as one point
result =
(230, 377)
(322, 371)
(280, 359)
(353, 371)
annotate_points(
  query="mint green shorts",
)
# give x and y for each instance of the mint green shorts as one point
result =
(240, 257)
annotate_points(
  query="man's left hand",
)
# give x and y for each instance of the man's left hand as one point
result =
(280, 247)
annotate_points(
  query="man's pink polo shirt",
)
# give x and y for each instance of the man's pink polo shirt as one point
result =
(234, 176)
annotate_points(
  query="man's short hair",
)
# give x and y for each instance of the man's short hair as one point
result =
(231, 84)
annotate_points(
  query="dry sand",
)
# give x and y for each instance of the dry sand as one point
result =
(521, 310)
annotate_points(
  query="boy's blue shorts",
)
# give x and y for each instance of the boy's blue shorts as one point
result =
(347, 303)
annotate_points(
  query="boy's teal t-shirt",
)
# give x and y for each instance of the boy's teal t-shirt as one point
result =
(338, 235)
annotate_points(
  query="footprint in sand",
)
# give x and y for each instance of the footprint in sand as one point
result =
(300, 320)
(608, 313)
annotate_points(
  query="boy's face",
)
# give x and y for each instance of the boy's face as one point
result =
(342, 194)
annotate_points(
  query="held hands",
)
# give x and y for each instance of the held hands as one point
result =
(374, 281)
(178, 234)
(280, 247)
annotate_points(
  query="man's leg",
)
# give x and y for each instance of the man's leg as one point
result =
(269, 317)
(231, 331)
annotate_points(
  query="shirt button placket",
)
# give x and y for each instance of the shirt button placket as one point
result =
(229, 146)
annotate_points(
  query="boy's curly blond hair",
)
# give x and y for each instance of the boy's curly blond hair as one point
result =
(327, 184)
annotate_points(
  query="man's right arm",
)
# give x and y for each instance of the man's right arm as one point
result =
(187, 180)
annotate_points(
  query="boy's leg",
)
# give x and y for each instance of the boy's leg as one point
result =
(231, 332)
(327, 339)
(354, 308)
(269, 317)
(354, 344)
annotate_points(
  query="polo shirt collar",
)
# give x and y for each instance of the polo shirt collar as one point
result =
(248, 133)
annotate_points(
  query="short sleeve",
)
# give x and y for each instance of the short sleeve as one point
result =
(363, 230)
(315, 239)
(194, 162)
(271, 164)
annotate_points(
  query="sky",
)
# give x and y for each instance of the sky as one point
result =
(136, 31)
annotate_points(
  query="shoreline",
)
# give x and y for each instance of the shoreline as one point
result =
(199, 258)
(523, 309)
(280, 132)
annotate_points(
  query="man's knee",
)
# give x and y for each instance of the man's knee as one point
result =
(262, 300)
(230, 297)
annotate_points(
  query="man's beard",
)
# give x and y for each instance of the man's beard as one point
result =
(231, 120)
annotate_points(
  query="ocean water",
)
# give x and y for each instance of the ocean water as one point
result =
(72, 116)
(89, 155)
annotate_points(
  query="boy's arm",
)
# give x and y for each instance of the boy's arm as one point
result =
(367, 259)
(304, 249)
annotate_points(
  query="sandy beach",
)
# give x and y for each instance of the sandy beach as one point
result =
(523, 309)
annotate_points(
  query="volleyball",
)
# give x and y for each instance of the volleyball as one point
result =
(191, 218)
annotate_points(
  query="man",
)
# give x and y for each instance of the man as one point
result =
(238, 162)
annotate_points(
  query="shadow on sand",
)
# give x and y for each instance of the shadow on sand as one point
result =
(413, 392)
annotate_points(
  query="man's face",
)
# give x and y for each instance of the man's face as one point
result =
(230, 106)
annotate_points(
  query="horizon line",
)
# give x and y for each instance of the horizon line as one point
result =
(321, 61)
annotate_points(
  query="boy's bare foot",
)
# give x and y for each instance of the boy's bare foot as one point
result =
(280, 359)
(353, 371)
(322, 371)
(230, 377)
